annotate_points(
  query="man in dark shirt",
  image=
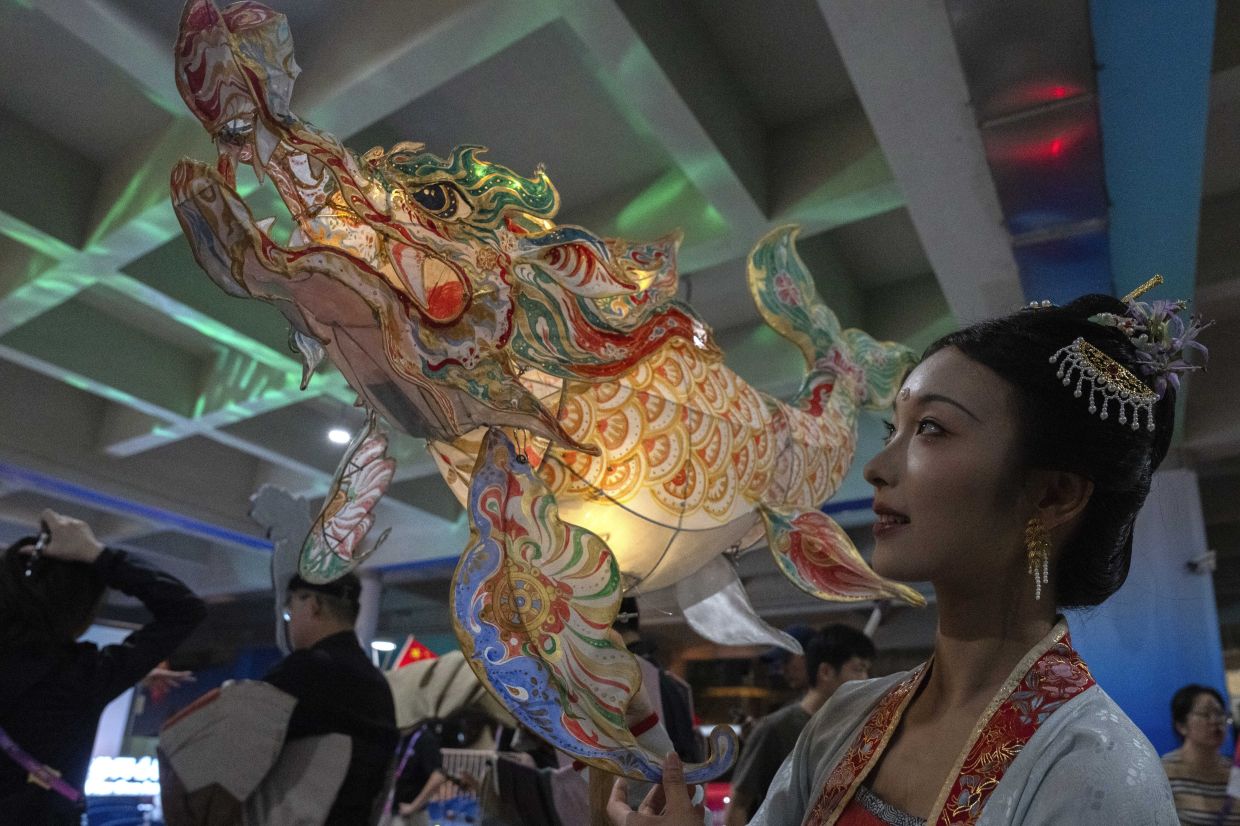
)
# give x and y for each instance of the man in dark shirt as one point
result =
(338, 690)
(836, 654)
(52, 688)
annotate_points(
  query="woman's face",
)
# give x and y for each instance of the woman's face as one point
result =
(1206, 723)
(949, 504)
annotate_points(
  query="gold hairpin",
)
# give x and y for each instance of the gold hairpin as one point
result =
(1143, 289)
(1103, 376)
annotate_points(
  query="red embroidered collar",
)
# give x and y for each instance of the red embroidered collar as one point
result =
(1047, 678)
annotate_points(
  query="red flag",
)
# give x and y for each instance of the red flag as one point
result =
(411, 652)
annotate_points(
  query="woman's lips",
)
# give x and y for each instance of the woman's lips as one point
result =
(888, 522)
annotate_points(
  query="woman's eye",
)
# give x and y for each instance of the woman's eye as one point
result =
(925, 427)
(443, 200)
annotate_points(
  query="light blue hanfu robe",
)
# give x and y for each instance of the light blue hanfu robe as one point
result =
(1077, 758)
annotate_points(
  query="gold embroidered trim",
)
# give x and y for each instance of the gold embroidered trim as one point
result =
(1009, 685)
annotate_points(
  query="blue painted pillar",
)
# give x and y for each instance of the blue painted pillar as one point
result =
(1153, 61)
(1160, 631)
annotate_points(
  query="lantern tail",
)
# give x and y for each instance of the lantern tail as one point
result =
(785, 294)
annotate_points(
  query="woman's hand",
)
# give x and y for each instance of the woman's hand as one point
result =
(668, 804)
(69, 539)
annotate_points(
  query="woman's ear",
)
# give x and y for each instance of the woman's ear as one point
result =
(1065, 496)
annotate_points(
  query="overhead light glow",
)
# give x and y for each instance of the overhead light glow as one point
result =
(338, 436)
(383, 645)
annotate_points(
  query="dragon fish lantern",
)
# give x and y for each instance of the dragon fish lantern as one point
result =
(583, 416)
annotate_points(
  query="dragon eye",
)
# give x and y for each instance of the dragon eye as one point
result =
(443, 200)
(236, 132)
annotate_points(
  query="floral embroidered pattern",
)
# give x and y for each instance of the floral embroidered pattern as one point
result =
(334, 543)
(1056, 677)
(786, 289)
(868, 745)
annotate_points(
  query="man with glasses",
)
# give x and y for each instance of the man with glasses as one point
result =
(338, 690)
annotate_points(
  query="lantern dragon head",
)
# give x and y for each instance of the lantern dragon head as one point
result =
(433, 283)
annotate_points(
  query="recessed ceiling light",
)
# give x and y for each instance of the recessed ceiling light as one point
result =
(383, 645)
(338, 436)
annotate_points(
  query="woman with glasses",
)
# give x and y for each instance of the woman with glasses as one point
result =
(1198, 773)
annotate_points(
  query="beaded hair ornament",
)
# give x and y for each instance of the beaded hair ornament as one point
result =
(1162, 338)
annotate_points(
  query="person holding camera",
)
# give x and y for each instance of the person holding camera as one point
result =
(52, 687)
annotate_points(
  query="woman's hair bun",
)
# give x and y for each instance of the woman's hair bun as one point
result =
(1058, 432)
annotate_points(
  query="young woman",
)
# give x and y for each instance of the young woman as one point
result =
(1198, 773)
(1019, 453)
(52, 688)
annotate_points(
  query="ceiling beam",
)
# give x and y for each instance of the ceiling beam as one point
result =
(820, 175)
(635, 79)
(903, 62)
(426, 61)
(130, 47)
(407, 513)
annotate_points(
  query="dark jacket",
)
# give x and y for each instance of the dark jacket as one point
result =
(50, 700)
(339, 690)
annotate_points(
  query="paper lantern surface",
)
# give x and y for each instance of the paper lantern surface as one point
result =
(550, 368)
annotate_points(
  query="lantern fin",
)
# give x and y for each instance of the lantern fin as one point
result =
(815, 553)
(716, 606)
(533, 602)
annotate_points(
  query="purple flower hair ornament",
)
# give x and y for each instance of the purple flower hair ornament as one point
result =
(1163, 337)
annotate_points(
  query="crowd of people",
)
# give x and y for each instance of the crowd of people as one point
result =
(999, 483)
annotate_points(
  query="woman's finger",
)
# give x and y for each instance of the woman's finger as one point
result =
(618, 809)
(51, 519)
(674, 790)
(654, 802)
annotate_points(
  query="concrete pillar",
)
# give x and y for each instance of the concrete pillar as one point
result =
(1160, 630)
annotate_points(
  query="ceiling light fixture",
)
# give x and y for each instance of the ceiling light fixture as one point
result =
(338, 436)
(383, 645)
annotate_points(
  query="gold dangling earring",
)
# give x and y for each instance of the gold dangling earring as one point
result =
(1038, 550)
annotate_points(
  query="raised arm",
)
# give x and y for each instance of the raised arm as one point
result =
(176, 610)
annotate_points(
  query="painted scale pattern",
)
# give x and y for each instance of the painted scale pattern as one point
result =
(685, 439)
